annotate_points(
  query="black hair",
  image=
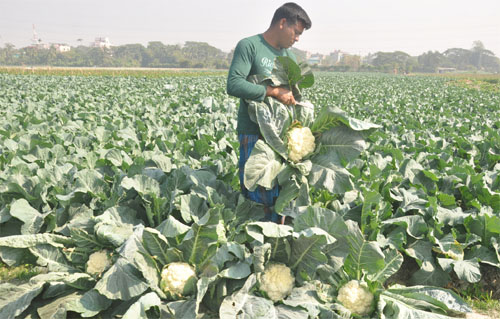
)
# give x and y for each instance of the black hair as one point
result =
(292, 12)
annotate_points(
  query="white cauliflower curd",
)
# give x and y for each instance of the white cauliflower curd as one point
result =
(300, 143)
(98, 262)
(178, 279)
(277, 281)
(356, 297)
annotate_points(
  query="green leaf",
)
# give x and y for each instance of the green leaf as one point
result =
(121, 281)
(307, 252)
(156, 245)
(328, 175)
(139, 308)
(31, 218)
(14, 299)
(331, 116)
(430, 274)
(446, 299)
(52, 258)
(415, 225)
(342, 143)
(411, 306)
(466, 270)
(200, 242)
(27, 241)
(393, 261)
(89, 304)
(142, 184)
(364, 256)
(274, 119)
(242, 304)
(262, 167)
(304, 297)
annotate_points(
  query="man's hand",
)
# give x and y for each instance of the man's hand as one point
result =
(281, 94)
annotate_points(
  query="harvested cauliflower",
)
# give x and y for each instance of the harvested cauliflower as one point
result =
(277, 281)
(300, 143)
(178, 279)
(98, 262)
(356, 297)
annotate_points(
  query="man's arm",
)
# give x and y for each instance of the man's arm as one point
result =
(238, 86)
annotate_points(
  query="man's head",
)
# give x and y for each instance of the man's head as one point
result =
(290, 20)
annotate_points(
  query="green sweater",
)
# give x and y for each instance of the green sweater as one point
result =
(253, 55)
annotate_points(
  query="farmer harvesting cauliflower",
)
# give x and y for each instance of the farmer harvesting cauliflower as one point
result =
(277, 282)
(356, 297)
(300, 143)
(255, 55)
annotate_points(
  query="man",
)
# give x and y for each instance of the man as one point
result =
(256, 55)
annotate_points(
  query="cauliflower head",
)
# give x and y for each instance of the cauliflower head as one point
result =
(98, 262)
(277, 281)
(356, 297)
(178, 279)
(300, 143)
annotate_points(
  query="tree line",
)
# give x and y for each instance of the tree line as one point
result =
(202, 55)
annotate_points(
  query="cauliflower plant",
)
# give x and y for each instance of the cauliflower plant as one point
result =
(178, 279)
(356, 297)
(277, 281)
(300, 143)
(98, 262)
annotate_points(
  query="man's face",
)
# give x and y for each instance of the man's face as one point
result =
(290, 33)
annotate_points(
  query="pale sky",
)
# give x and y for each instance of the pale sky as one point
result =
(354, 26)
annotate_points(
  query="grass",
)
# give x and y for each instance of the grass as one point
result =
(18, 273)
(90, 71)
(482, 301)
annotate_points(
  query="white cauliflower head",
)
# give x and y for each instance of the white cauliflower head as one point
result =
(277, 281)
(300, 143)
(98, 262)
(356, 297)
(178, 279)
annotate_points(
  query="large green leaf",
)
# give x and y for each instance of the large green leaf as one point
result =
(395, 305)
(121, 281)
(342, 143)
(307, 252)
(273, 118)
(393, 261)
(331, 116)
(89, 304)
(466, 270)
(364, 256)
(327, 174)
(201, 241)
(419, 301)
(244, 305)
(31, 218)
(262, 167)
(139, 308)
(14, 299)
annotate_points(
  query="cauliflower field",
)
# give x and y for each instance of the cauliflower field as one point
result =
(105, 181)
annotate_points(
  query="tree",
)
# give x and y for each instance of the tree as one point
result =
(430, 61)
(479, 53)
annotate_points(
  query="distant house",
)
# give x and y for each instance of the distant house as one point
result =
(314, 59)
(101, 43)
(336, 56)
(446, 70)
(61, 47)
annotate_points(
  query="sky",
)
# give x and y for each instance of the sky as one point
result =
(354, 26)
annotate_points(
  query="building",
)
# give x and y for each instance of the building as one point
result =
(101, 42)
(61, 47)
(314, 59)
(336, 56)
